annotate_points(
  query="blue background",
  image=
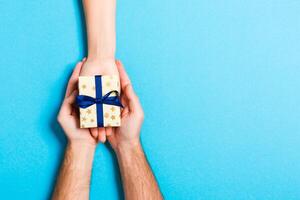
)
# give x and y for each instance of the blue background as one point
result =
(218, 80)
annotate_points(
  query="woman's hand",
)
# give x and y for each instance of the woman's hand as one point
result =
(92, 67)
(101, 38)
(68, 114)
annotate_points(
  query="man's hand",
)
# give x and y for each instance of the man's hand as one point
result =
(74, 177)
(68, 114)
(137, 177)
(132, 116)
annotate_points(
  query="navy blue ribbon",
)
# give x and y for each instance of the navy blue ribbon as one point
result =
(84, 101)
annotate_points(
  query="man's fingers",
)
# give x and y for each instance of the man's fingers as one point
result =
(72, 84)
(133, 100)
(124, 112)
(127, 89)
(108, 131)
(66, 108)
(72, 97)
(124, 78)
(94, 132)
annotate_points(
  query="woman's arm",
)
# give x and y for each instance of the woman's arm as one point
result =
(100, 24)
(101, 37)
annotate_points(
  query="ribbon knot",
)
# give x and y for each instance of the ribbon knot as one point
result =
(84, 101)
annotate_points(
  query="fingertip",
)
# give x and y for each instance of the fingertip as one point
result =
(94, 132)
(102, 138)
(120, 66)
(108, 131)
(78, 64)
(101, 135)
(118, 62)
(77, 69)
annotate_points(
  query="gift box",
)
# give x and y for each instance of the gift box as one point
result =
(98, 101)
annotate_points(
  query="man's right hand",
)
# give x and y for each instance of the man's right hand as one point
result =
(132, 116)
(137, 177)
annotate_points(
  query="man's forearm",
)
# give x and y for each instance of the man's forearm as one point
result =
(75, 173)
(137, 177)
(100, 24)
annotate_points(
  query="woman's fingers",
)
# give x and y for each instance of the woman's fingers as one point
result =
(101, 135)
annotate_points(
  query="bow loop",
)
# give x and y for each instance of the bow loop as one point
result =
(84, 101)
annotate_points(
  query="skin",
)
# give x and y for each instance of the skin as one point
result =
(101, 39)
(73, 181)
(74, 177)
(137, 177)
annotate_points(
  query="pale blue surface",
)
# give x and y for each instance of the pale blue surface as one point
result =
(219, 82)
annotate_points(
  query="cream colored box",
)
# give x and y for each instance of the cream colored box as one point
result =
(110, 116)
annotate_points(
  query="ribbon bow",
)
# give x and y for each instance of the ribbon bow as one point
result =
(84, 101)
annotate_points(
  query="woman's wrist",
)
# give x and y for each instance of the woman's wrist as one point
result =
(100, 66)
(100, 24)
(94, 60)
(101, 53)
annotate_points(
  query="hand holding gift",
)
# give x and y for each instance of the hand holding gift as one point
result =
(128, 121)
(132, 116)
(125, 140)
(99, 101)
(101, 39)
(68, 115)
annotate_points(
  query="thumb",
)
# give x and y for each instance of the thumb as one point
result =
(66, 107)
(124, 78)
(133, 100)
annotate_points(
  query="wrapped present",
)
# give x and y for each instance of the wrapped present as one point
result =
(98, 101)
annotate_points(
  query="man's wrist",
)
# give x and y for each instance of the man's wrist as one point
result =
(127, 148)
(80, 155)
(78, 145)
